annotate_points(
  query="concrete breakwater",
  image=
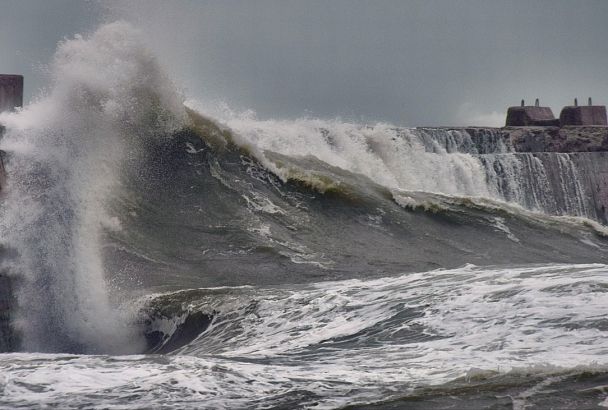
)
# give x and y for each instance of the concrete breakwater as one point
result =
(484, 140)
(8, 338)
(586, 147)
(559, 171)
(11, 97)
(11, 91)
(554, 139)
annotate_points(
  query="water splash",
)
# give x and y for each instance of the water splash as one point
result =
(67, 152)
(464, 162)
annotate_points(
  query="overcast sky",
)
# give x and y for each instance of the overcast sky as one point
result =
(414, 63)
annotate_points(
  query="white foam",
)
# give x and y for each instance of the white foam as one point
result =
(66, 152)
(443, 161)
(415, 330)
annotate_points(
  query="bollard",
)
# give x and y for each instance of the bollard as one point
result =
(11, 92)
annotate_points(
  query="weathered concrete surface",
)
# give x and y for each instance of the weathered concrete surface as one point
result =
(11, 92)
(7, 336)
(554, 139)
(530, 116)
(583, 115)
(586, 149)
(8, 339)
(593, 171)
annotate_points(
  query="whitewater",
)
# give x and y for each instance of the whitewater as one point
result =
(165, 253)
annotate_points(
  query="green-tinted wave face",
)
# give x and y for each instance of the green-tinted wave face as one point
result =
(203, 211)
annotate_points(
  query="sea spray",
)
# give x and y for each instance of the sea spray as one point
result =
(390, 156)
(476, 163)
(67, 152)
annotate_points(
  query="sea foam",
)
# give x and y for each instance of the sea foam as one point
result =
(67, 151)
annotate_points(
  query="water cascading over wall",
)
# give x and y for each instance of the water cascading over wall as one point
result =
(544, 169)
(557, 183)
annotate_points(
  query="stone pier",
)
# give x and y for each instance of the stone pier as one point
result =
(11, 97)
(11, 92)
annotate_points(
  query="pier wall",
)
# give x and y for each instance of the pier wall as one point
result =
(11, 92)
(11, 97)
(583, 115)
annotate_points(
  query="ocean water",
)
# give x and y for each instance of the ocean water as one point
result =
(167, 255)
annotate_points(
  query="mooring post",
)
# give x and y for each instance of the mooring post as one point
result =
(11, 97)
(11, 92)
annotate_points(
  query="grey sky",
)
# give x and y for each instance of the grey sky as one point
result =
(427, 62)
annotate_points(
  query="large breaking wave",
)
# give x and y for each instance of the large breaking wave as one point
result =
(282, 263)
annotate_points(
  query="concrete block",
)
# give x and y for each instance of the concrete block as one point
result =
(530, 116)
(11, 92)
(583, 115)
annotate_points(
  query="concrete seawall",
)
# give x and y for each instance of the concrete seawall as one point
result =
(8, 338)
(593, 170)
(554, 139)
(11, 92)
(585, 147)
(539, 139)
(11, 97)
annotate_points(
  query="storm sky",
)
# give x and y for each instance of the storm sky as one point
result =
(410, 62)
